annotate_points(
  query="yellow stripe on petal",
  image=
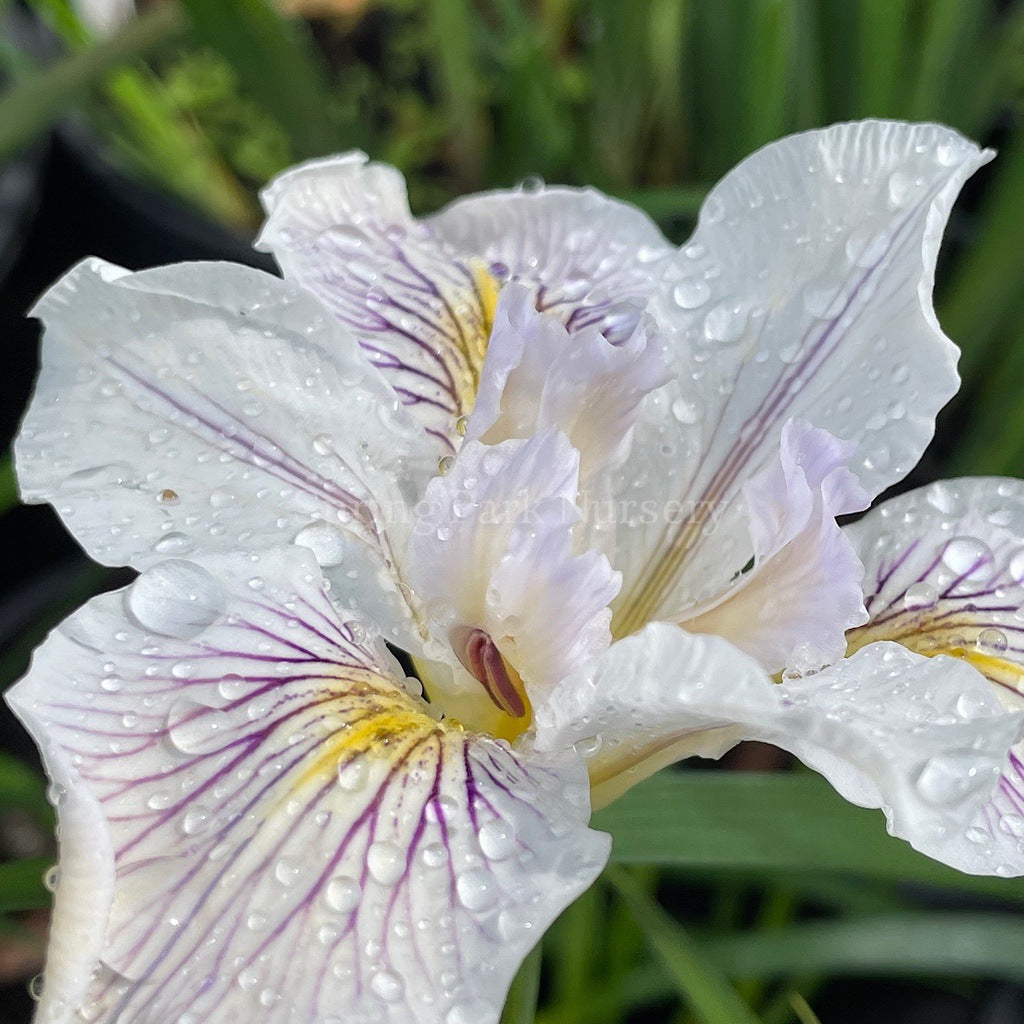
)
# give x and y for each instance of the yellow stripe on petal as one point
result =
(386, 730)
(979, 650)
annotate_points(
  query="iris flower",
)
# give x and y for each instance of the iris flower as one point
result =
(588, 484)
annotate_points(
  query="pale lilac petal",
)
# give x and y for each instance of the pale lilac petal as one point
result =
(207, 407)
(804, 293)
(341, 227)
(294, 837)
(924, 739)
(587, 258)
(794, 606)
(537, 375)
(492, 549)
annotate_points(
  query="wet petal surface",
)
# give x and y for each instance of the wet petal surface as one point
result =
(259, 822)
(805, 292)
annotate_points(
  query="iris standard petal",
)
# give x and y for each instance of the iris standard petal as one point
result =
(803, 592)
(588, 259)
(924, 739)
(537, 375)
(204, 407)
(341, 227)
(805, 292)
(258, 822)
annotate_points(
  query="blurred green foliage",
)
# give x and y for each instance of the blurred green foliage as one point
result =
(652, 100)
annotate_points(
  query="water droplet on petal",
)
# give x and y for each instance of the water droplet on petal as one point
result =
(920, 595)
(177, 599)
(498, 840)
(353, 773)
(477, 890)
(866, 246)
(174, 544)
(325, 541)
(471, 1012)
(686, 412)
(195, 820)
(343, 894)
(967, 557)
(691, 293)
(286, 871)
(950, 778)
(992, 641)
(388, 986)
(386, 862)
(194, 728)
(726, 322)
(434, 855)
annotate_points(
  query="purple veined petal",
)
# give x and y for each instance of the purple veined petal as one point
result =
(258, 821)
(492, 551)
(804, 293)
(342, 229)
(421, 294)
(794, 606)
(591, 260)
(538, 376)
(211, 407)
(925, 739)
(945, 575)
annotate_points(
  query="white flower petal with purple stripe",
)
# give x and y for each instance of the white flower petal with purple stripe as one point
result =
(260, 821)
(587, 483)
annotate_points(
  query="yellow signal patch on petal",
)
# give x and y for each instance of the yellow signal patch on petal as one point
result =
(383, 726)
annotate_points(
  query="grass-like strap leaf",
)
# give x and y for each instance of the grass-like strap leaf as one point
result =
(913, 943)
(41, 97)
(699, 982)
(763, 823)
(21, 885)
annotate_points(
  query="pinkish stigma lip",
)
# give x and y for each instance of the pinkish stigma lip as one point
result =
(481, 658)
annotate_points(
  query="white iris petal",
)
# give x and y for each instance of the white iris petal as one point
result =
(245, 773)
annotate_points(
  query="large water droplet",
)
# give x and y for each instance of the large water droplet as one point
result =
(177, 599)
(353, 773)
(194, 728)
(950, 778)
(477, 890)
(471, 1012)
(287, 871)
(342, 894)
(386, 862)
(967, 557)
(195, 820)
(866, 246)
(687, 412)
(325, 541)
(992, 641)
(726, 322)
(920, 595)
(498, 840)
(691, 293)
(388, 986)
